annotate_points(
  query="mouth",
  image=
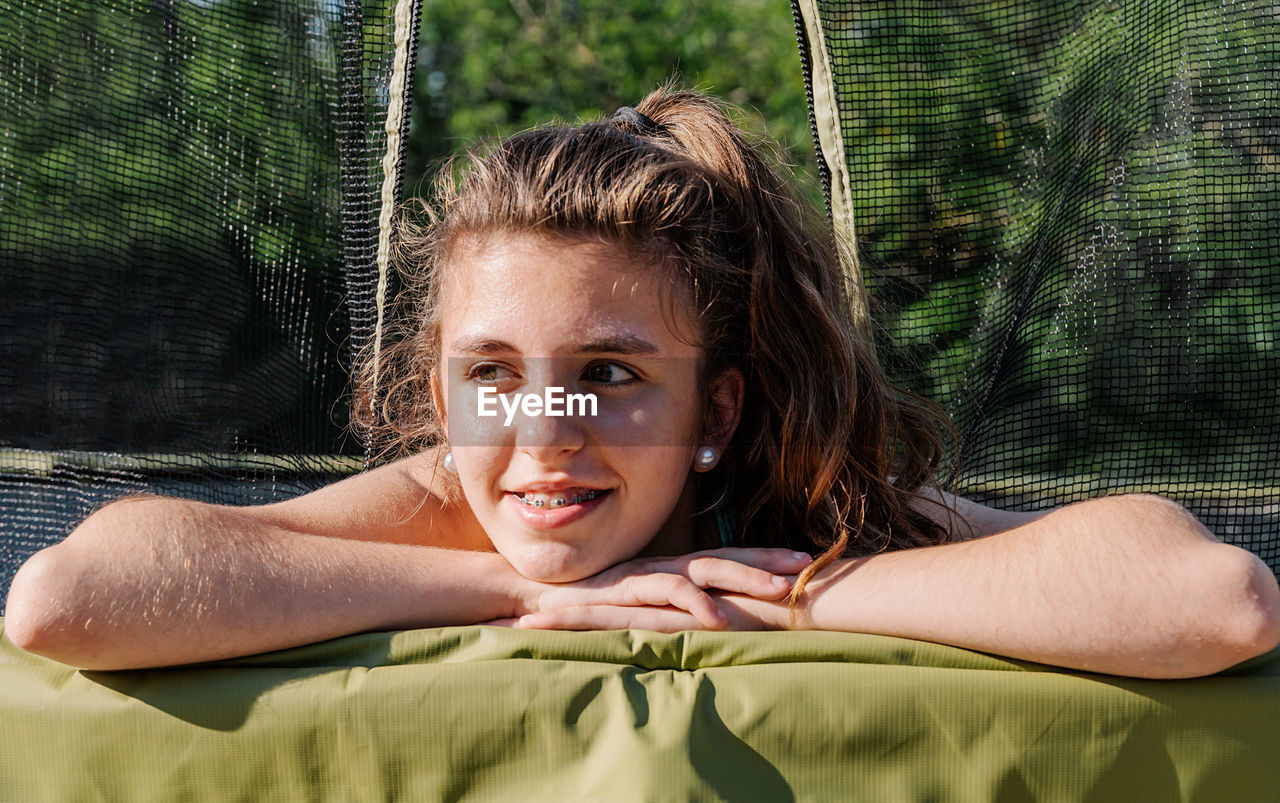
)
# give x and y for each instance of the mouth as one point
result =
(559, 499)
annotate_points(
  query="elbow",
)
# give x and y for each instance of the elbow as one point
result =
(37, 612)
(53, 605)
(49, 614)
(1233, 595)
(1254, 624)
(90, 601)
(1245, 621)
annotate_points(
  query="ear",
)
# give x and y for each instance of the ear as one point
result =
(437, 398)
(725, 409)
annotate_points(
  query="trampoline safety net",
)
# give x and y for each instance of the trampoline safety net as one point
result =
(1066, 220)
(1068, 223)
(189, 205)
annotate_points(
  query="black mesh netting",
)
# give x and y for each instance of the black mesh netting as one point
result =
(188, 228)
(1069, 222)
(1067, 215)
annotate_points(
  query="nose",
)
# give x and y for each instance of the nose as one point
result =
(548, 432)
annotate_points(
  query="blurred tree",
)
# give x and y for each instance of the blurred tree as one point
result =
(493, 67)
(1067, 214)
(169, 225)
(1050, 195)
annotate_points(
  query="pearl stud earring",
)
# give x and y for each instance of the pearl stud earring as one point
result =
(449, 465)
(706, 458)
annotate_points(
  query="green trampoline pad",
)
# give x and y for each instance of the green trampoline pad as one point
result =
(488, 713)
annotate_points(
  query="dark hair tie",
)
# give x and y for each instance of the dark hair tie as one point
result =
(642, 124)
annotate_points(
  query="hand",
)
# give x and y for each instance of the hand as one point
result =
(664, 594)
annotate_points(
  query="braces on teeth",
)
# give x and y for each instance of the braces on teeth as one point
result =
(559, 500)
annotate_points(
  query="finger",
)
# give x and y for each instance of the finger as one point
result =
(674, 590)
(727, 575)
(612, 617)
(777, 561)
(507, 622)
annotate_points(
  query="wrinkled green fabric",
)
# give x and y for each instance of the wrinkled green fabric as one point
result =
(494, 714)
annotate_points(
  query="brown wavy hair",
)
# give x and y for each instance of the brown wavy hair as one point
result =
(828, 457)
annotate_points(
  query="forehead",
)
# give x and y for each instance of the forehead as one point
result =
(549, 294)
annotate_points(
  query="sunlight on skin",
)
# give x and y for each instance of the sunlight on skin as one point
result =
(610, 331)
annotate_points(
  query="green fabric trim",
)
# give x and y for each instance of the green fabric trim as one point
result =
(826, 115)
(496, 714)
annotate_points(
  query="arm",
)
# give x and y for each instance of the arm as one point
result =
(1129, 585)
(149, 581)
(152, 581)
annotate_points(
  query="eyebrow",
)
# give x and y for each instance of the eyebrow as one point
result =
(618, 344)
(481, 345)
(610, 344)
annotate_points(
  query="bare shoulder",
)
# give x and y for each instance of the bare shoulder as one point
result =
(410, 501)
(965, 519)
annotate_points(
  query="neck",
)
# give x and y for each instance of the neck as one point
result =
(678, 534)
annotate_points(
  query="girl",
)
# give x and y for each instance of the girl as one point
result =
(655, 264)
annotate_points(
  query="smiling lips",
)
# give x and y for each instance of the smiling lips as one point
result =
(552, 509)
(558, 499)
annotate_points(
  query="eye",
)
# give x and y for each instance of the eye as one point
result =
(489, 373)
(608, 373)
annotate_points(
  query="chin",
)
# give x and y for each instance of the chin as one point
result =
(553, 563)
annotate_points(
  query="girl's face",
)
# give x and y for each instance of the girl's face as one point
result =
(527, 320)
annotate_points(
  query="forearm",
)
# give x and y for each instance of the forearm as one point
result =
(160, 582)
(1127, 586)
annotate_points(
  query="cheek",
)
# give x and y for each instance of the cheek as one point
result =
(475, 419)
(667, 416)
(478, 469)
(656, 477)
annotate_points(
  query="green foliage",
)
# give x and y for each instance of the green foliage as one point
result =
(1069, 219)
(1068, 210)
(169, 223)
(146, 119)
(171, 205)
(494, 67)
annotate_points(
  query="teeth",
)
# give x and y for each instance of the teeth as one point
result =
(555, 500)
